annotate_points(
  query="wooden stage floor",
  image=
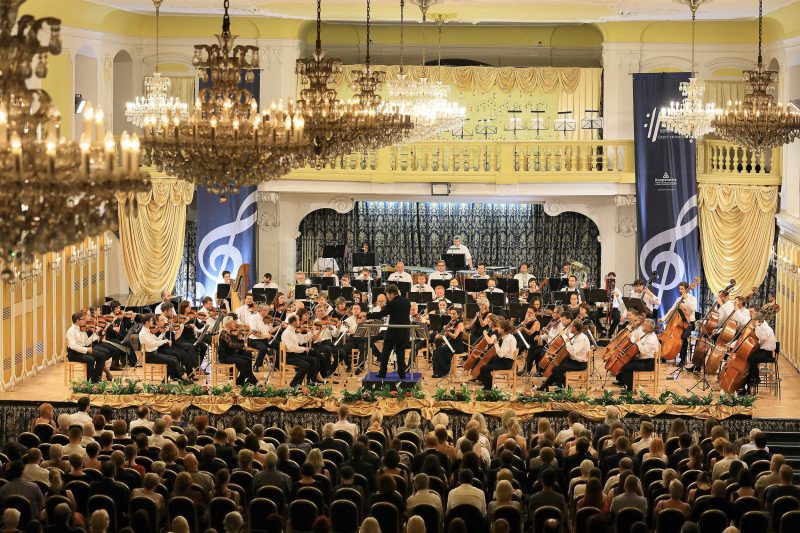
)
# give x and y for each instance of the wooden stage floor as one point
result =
(49, 385)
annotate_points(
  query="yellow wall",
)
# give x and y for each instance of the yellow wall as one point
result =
(787, 298)
(59, 84)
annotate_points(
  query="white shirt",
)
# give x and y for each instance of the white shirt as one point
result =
(689, 301)
(576, 290)
(36, 473)
(149, 342)
(440, 275)
(262, 285)
(481, 276)
(578, 348)
(77, 340)
(141, 422)
(766, 337)
(325, 262)
(467, 494)
(507, 347)
(650, 301)
(351, 324)
(648, 346)
(244, 313)
(741, 317)
(461, 249)
(523, 279)
(293, 340)
(344, 425)
(159, 309)
(493, 290)
(400, 276)
(422, 288)
(257, 324)
(725, 311)
(80, 418)
(554, 332)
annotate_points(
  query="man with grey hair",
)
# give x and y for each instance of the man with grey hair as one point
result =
(272, 476)
(648, 345)
(328, 442)
(157, 439)
(203, 479)
(458, 248)
(233, 522)
(423, 494)
(261, 332)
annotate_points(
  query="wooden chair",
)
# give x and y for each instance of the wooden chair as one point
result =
(74, 372)
(285, 367)
(221, 373)
(510, 375)
(156, 372)
(578, 380)
(770, 375)
(648, 381)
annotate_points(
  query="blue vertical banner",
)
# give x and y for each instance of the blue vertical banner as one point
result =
(666, 189)
(226, 233)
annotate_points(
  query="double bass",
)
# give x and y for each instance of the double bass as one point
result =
(710, 322)
(734, 371)
(674, 325)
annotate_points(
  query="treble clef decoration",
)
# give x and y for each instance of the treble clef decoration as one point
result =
(673, 265)
(226, 256)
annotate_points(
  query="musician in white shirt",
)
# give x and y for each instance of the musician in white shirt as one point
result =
(523, 277)
(480, 272)
(643, 293)
(688, 305)
(298, 354)
(422, 284)
(578, 347)
(725, 310)
(325, 262)
(246, 310)
(266, 283)
(557, 325)
(766, 347)
(81, 350)
(492, 288)
(742, 314)
(504, 358)
(441, 271)
(165, 297)
(439, 295)
(400, 274)
(157, 349)
(458, 248)
(647, 342)
(572, 286)
(328, 274)
(261, 332)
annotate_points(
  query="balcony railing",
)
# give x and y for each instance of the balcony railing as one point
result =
(533, 161)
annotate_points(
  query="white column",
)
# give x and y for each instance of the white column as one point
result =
(620, 60)
(790, 75)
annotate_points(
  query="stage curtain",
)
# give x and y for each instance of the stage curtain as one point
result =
(497, 234)
(151, 235)
(183, 87)
(721, 92)
(737, 230)
(586, 96)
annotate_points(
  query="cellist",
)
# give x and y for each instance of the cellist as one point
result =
(504, 357)
(688, 304)
(557, 325)
(578, 347)
(647, 342)
(766, 347)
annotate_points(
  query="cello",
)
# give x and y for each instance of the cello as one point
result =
(704, 345)
(556, 353)
(481, 348)
(726, 335)
(623, 351)
(734, 371)
(674, 325)
(479, 356)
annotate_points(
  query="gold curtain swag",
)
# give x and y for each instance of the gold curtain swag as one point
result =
(737, 231)
(152, 235)
(528, 80)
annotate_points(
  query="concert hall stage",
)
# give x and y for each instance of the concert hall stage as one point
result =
(372, 381)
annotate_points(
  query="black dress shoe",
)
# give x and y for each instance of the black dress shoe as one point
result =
(380, 375)
(542, 388)
(401, 376)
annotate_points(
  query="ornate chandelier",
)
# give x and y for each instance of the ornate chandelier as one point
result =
(155, 103)
(53, 192)
(692, 117)
(226, 143)
(757, 122)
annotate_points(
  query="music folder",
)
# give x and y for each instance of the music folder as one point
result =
(264, 294)
(497, 299)
(562, 297)
(438, 322)
(595, 295)
(223, 290)
(636, 304)
(360, 285)
(326, 282)
(364, 259)
(300, 290)
(420, 297)
(517, 311)
(333, 251)
(440, 283)
(508, 285)
(404, 286)
(455, 262)
(471, 310)
(475, 285)
(555, 284)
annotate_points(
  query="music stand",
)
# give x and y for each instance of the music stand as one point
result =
(496, 299)
(360, 285)
(265, 295)
(555, 284)
(420, 297)
(300, 291)
(508, 285)
(455, 262)
(223, 291)
(470, 310)
(561, 298)
(440, 283)
(333, 251)
(438, 322)
(475, 285)
(517, 311)
(595, 295)
(377, 290)
(404, 286)
(344, 292)
(636, 304)
(532, 296)
(315, 280)
(564, 124)
(364, 259)
(326, 282)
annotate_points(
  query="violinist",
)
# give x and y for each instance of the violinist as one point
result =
(261, 332)
(583, 314)
(643, 293)
(766, 347)
(165, 297)
(688, 306)
(421, 284)
(351, 322)
(298, 354)
(279, 307)
(328, 342)
(117, 336)
(157, 349)
(529, 330)
(231, 351)
(340, 308)
(441, 272)
(246, 310)
(322, 303)
(524, 277)
(183, 341)
(443, 354)
(81, 350)
(558, 324)
(578, 348)
(480, 323)
(504, 358)
(647, 342)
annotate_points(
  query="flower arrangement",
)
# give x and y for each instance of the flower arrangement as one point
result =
(258, 390)
(115, 387)
(735, 400)
(315, 391)
(359, 395)
(634, 398)
(452, 395)
(187, 390)
(492, 395)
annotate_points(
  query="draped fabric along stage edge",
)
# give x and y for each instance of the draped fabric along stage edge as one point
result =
(737, 231)
(152, 236)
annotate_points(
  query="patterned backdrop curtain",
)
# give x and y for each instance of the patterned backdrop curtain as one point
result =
(496, 234)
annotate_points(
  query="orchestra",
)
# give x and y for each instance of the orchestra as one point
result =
(553, 329)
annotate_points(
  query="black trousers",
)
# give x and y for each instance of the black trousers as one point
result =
(355, 343)
(187, 353)
(306, 367)
(559, 375)
(164, 357)
(759, 356)
(244, 365)
(687, 333)
(330, 355)
(496, 363)
(398, 344)
(95, 361)
(615, 316)
(535, 353)
(637, 365)
(262, 345)
(442, 358)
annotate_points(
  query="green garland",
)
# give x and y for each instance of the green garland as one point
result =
(249, 390)
(453, 395)
(635, 398)
(187, 390)
(116, 387)
(372, 395)
(492, 395)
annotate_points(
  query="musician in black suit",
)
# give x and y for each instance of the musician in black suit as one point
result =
(398, 309)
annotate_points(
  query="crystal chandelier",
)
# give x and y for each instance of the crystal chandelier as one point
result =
(757, 122)
(155, 103)
(692, 117)
(226, 143)
(53, 192)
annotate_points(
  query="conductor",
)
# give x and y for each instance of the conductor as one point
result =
(398, 309)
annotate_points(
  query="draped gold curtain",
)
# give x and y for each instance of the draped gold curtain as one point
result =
(585, 96)
(737, 230)
(152, 236)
